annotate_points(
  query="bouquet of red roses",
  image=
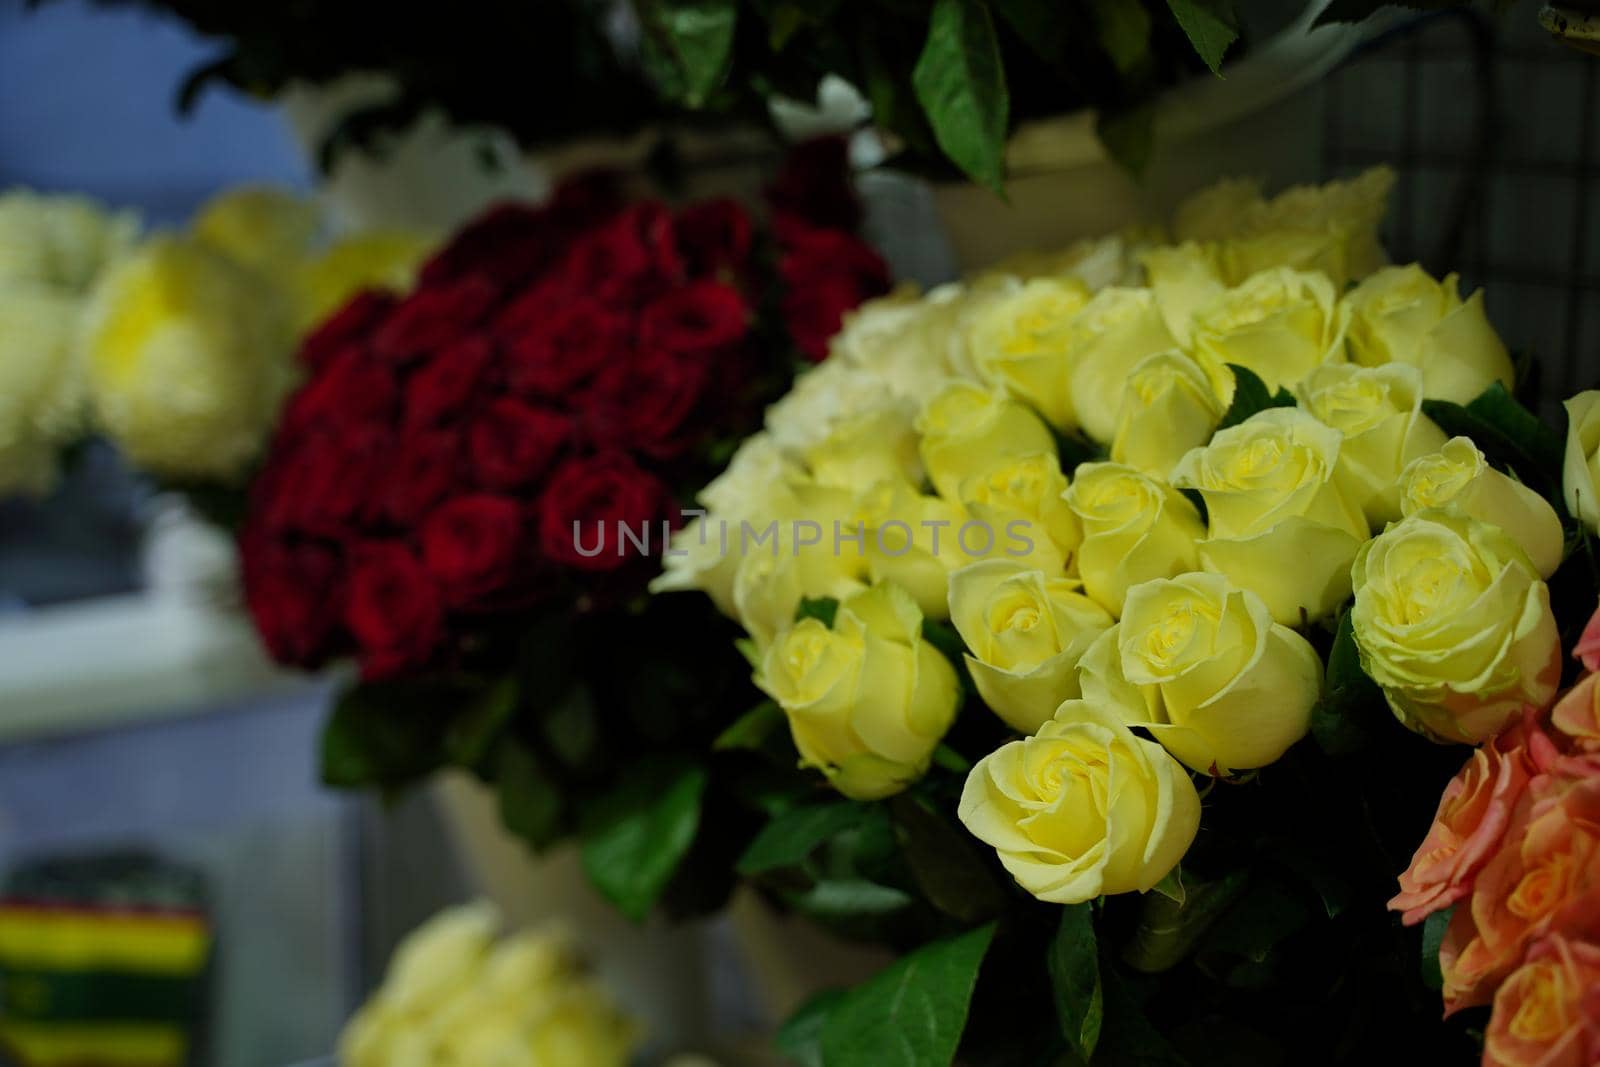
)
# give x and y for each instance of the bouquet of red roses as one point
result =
(475, 482)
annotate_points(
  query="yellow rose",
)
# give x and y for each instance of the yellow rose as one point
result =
(1020, 514)
(827, 394)
(1082, 808)
(580, 1026)
(189, 357)
(1281, 323)
(908, 538)
(1458, 478)
(1317, 251)
(59, 243)
(380, 259)
(903, 340)
(966, 428)
(1401, 315)
(1096, 262)
(1135, 529)
(768, 585)
(41, 385)
(1454, 624)
(442, 955)
(1201, 665)
(1169, 406)
(1280, 524)
(1024, 632)
(1115, 330)
(868, 700)
(865, 448)
(1019, 343)
(1580, 475)
(272, 230)
(1183, 278)
(1378, 410)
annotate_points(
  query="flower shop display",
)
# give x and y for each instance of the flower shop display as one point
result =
(1122, 610)
(473, 485)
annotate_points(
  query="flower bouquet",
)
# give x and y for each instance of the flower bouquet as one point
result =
(471, 489)
(1123, 610)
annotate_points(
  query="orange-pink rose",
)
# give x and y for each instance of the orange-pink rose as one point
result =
(1472, 818)
(1578, 713)
(1547, 1012)
(1546, 876)
(1588, 647)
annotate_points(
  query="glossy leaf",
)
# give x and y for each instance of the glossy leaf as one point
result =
(530, 804)
(948, 869)
(1209, 25)
(961, 85)
(641, 832)
(1251, 396)
(787, 840)
(800, 1037)
(1075, 978)
(1340, 719)
(688, 45)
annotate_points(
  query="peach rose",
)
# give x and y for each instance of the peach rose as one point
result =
(1547, 1013)
(1471, 822)
(1545, 877)
(1587, 650)
(1577, 714)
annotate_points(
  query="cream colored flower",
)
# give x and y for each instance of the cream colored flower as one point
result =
(1116, 330)
(1170, 405)
(966, 428)
(189, 357)
(1135, 529)
(1201, 665)
(41, 385)
(913, 540)
(1018, 342)
(1401, 315)
(1281, 323)
(1082, 808)
(1457, 478)
(1580, 476)
(1025, 632)
(1378, 410)
(271, 230)
(1455, 625)
(1020, 514)
(60, 243)
(867, 700)
(1279, 522)
(827, 393)
(1183, 278)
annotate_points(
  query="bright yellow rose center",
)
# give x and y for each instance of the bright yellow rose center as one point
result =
(1353, 406)
(1542, 1015)
(1176, 631)
(957, 410)
(1430, 587)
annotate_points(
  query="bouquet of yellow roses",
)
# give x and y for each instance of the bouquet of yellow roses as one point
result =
(1078, 591)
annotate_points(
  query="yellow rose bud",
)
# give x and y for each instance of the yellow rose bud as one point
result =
(1184, 278)
(1458, 478)
(1580, 476)
(189, 357)
(1025, 633)
(1082, 808)
(903, 340)
(271, 230)
(966, 428)
(1019, 343)
(768, 584)
(1378, 410)
(1170, 405)
(1401, 315)
(867, 447)
(1114, 331)
(868, 700)
(1021, 515)
(380, 259)
(1281, 323)
(1455, 625)
(1135, 529)
(908, 538)
(1280, 524)
(1220, 684)
(41, 385)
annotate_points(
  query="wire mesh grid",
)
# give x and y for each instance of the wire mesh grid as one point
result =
(1491, 128)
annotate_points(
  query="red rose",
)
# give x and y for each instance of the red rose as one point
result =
(349, 326)
(433, 317)
(628, 259)
(469, 545)
(290, 590)
(350, 387)
(825, 273)
(814, 185)
(650, 405)
(589, 502)
(715, 238)
(393, 610)
(512, 443)
(566, 350)
(326, 483)
(442, 388)
(507, 243)
(700, 317)
(426, 467)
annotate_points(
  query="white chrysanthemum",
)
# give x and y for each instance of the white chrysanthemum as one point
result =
(60, 242)
(41, 387)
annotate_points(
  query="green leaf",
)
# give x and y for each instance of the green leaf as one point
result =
(912, 1013)
(687, 46)
(1127, 1037)
(1168, 929)
(751, 730)
(850, 899)
(1340, 718)
(1209, 25)
(1075, 977)
(800, 1037)
(1171, 887)
(1123, 29)
(477, 725)
(1509, 435)
(750, 651)
(960, 82)
(949, 871)
(1264, 917)
(1129, 137)
(1039, 25)
(641, 831)
(787, 840)
(824, 609)
(1433, 930)
(387, 733)
(1251, 396)
(1361, 10)
(530, 804)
